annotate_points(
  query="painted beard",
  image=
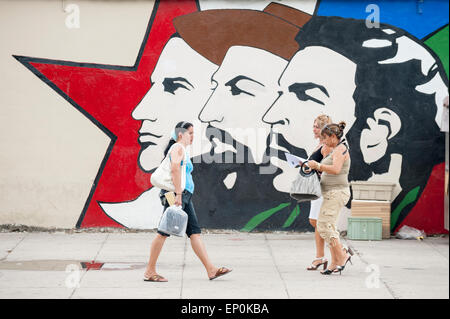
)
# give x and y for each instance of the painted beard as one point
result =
(279, 140)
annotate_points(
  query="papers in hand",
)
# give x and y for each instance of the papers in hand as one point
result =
(294, 160)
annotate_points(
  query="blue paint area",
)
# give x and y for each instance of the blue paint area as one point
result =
(418, 17)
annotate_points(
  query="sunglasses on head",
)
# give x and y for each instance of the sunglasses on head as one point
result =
(330, 130)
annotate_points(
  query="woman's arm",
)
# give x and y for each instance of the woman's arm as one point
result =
(338, 161)
(176, 156)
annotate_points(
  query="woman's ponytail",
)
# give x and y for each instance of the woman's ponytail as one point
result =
(171, 142)
(341, 126)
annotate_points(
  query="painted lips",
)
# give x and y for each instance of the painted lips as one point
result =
(146, 139)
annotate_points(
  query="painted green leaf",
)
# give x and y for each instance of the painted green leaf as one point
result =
(409, 198)
(292, 217)
(258, 219)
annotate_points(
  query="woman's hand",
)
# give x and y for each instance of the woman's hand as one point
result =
(178, 198)
(312, 164)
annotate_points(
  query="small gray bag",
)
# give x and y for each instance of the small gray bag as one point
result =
(173, 221)
(306, 186)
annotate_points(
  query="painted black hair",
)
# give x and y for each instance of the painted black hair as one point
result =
(385, 85)
(181, 127)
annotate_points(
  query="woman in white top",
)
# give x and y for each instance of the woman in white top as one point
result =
(320, 152)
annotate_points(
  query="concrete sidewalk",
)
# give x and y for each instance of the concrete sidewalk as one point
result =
(265, 265)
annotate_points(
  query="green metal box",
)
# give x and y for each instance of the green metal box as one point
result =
(364, 228)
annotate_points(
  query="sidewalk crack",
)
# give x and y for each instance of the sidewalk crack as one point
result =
(276, 266)
(12, 249)
(94, 260)
(389, 289)
(430, 244)
(182, 267)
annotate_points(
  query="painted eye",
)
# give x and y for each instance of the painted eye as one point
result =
(299, 89)
(234, 87)
(173, 84)
(235, 90)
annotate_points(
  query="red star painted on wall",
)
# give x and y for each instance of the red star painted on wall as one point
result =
(107, 95)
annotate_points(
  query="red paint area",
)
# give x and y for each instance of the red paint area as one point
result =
(110, 96)
(91, 265)
(428, 213)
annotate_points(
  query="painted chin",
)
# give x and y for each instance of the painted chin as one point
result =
(150, 157)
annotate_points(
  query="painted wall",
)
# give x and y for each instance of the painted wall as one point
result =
(91, 92)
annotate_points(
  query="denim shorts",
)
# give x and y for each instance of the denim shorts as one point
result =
(187, 205)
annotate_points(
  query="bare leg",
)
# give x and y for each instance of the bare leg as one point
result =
(339, 255)
(155, 250)
(200, 251)
(320, 243)
(333, 258)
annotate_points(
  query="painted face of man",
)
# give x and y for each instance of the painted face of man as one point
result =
(246, 84)
(181, 84)
(316, 81)
(384, 123)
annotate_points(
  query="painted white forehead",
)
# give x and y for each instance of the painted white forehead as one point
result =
(319, 52)
(246, 58)
(177, 53)
(322, 58)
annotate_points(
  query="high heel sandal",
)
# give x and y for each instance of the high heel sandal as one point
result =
(324, 262)
(349, 259)
(341, 268)
(331, 271)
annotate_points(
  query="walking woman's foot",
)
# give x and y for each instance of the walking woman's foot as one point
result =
(218, 272)
(154, 277)
(317, 263)
(346, 258)
(329, 270)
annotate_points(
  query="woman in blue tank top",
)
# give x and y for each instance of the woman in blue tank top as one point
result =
(183, 136)
(189, 181)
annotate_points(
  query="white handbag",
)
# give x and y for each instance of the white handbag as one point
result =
(162, 176)
(306, 186)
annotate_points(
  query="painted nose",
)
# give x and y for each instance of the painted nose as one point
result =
(271, 116)
(145, 110)
(208, 113)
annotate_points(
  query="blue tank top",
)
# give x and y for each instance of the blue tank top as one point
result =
(189, 180)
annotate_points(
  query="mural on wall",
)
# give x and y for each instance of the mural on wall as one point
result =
(252, 82)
